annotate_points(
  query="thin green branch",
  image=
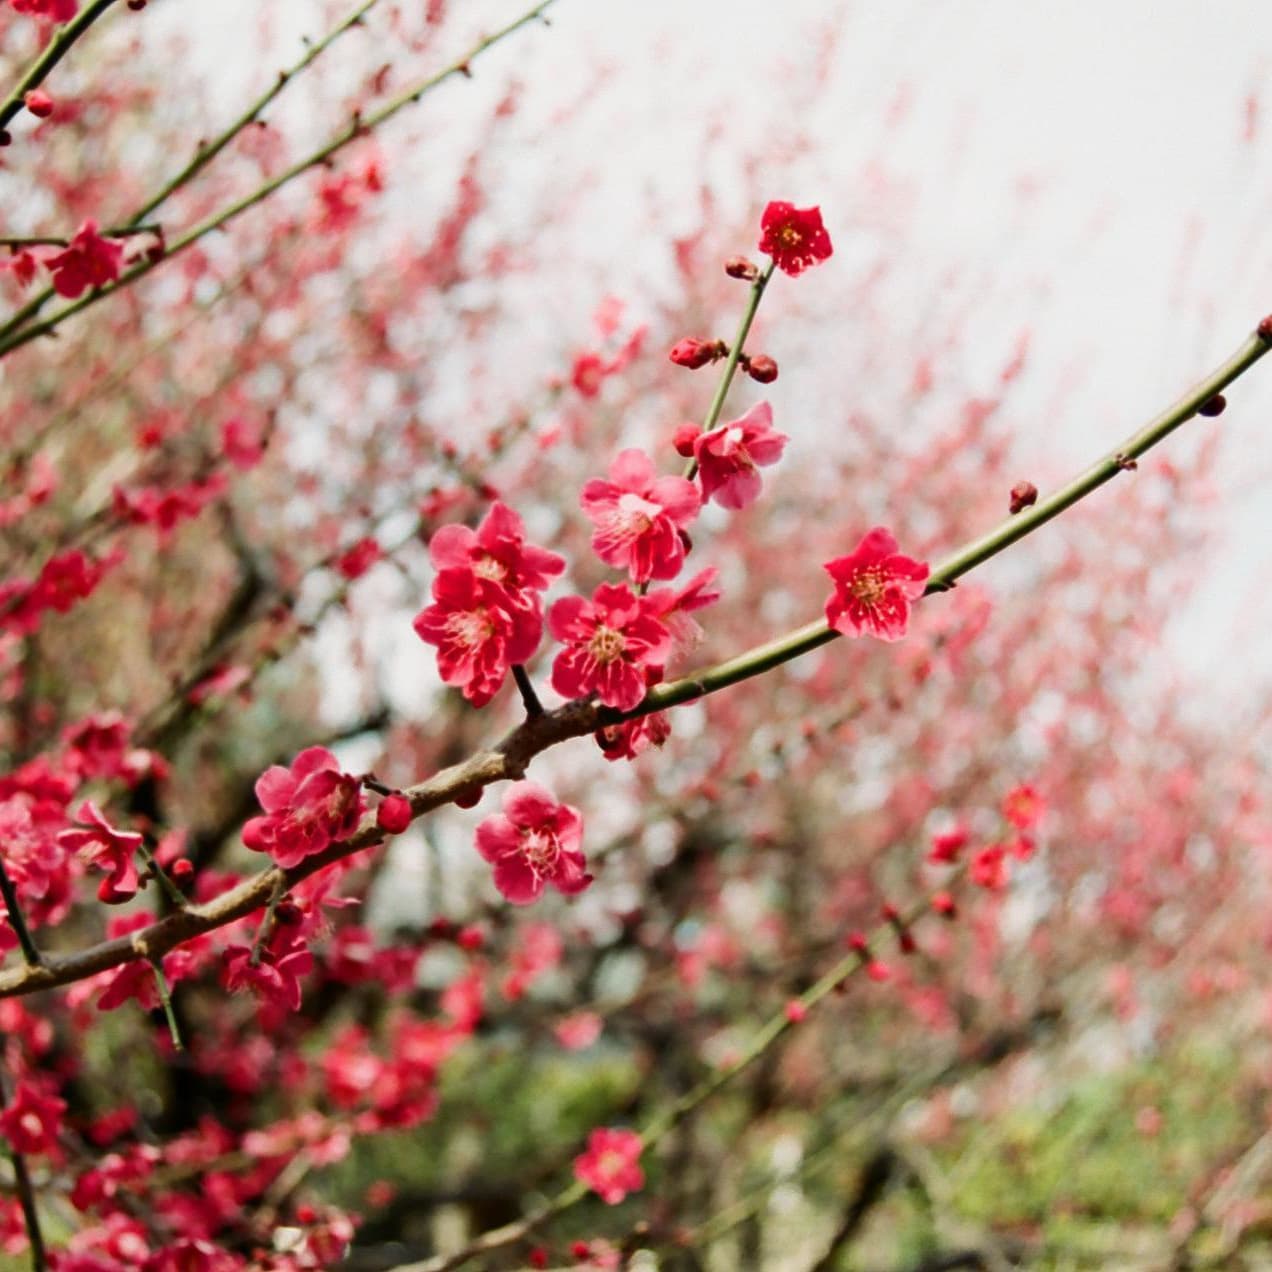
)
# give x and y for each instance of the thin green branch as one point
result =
(56, 49)
(207, 151)
(735, 355)
(53, 240)
(165, 1001)
(805, 639)
(18, 332)
(162, 878)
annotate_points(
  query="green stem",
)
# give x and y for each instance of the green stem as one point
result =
(772, 654)
(731, 362)
(162, 878)
(165, 1000)
(14, 334)
(54, 52)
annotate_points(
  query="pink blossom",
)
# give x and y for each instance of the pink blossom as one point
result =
(497, 550)
(533, 842)
(480, 629)
(100, 844)
(242, 443)
(275, 978)
(611, 1165)
(33, 1120)
(610, 641)
(1023, 806)
(673, 605)
(307, 807)
(88, 261)
(794, 237)
(730, 455)
(579, 1030)
(874, 585)
(357, 560)
(638, 516)
(49, 10)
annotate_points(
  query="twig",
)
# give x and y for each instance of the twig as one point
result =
(55, 51)
(528, 696)
(735, 355)
(30, 953)
(18, 331)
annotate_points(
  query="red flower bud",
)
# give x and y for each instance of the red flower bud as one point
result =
(1264, 328)
(944, 905)
(694, 353)
(684, 438)
(795, 1011)
(39, 103)
(181, 869)
(740, 267)
(470, 938)
(1024, 494)
(288, 914)
(1214, 406)
(394, 814)
(762, 369)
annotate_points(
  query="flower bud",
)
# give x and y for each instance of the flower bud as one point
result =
(762, 369)
(740, 267)
(684, 438)
(1024, 494)
(394, 814)
(39, 103)
(694, 353)
(181, 869)
(287, 913)
(1213, 406)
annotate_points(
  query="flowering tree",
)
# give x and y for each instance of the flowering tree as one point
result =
(278, 994)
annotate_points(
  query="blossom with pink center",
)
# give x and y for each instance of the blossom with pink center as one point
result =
(988, 868)
(480, 629)
(611, 1165)
(673, 605)
(1023, 806)
(638, 516)
(307, 807)
(100, 844)
(534, 842)
(874, 585)
(729, 457)
(88, 261)
(33, 1120)
(610, 641)
(794, 237)
(275, 977)
(242, 443)
(497, 550)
